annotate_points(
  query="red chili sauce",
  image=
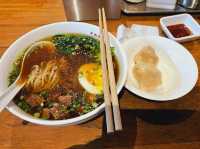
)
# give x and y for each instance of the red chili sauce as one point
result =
(179, 30)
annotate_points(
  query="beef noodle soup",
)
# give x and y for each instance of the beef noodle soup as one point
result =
(67, 85)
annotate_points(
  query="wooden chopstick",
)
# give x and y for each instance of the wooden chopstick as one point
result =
(109, 84)
(114, 97)
(108, 108)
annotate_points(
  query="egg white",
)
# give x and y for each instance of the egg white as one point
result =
(88, 86)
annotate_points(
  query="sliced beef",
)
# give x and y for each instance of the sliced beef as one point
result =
(66, 100)
(55, 93)
(34, 100)
(55, 112)
(58, 112)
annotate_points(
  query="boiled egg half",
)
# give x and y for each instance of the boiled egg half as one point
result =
(90, 78)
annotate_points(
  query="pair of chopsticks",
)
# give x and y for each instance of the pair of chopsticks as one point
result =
(109, 84)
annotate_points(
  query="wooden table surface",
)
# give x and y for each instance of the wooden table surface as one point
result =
(147, 125)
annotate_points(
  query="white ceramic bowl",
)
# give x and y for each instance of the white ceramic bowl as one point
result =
(186, 19)
(49, 30)
(134, 1)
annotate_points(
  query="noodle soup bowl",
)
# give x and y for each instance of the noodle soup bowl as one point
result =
(6, 64)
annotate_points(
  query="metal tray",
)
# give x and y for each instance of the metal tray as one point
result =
(81, 10)
(140, 8)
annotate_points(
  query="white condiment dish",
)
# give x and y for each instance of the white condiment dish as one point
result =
(185, 19)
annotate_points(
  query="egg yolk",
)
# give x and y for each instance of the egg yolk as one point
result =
(92, 72)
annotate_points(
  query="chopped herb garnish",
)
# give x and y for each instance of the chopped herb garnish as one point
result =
(24, 105)
(44, 94)
(72, 43)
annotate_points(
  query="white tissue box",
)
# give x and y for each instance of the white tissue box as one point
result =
(168, 4)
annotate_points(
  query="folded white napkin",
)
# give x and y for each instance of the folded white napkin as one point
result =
(124, 33)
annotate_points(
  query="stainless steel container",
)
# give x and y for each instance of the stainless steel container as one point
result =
(191, 4)
(81, 10)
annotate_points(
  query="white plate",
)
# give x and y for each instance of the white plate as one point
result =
(180, 67)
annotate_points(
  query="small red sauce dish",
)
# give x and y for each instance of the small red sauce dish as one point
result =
(181, 28)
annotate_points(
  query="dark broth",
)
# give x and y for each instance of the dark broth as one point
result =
(36, 57)
(68, 99)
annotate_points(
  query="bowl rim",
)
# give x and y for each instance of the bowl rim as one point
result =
(12, 107)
